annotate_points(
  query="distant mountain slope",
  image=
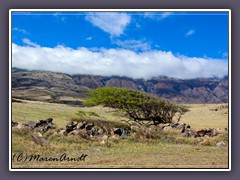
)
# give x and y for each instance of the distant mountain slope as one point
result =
(59, 87)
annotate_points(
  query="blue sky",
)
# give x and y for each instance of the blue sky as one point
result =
(147, 43)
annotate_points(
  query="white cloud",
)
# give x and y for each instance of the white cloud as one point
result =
(113, 23)
(88, 38)
(135, 45)
(30, 43)
(23, 31)
(119, 62)
(190, 32)
(157, 16)
(60, 16)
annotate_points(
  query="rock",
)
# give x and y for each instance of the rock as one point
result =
(63, 132)
(100, 131)
(117, 131)
(70, 126)
(49, 120)
(188, 127)
(31, 124)
(125, 133)
(189, 133)
(41, 122)
(208, 132)
(181, 128)
(201, 133)
(222, 131)
(74, 132)
(89, 126)
(174, 125)
(220, 144)
(14, 124)
(214, 132)
(21, 126)
(81, 125)
(94, 131)
(122, 132)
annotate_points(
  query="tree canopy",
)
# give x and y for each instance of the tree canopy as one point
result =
(138, 106)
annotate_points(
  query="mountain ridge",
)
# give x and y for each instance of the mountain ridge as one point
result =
(46, 85)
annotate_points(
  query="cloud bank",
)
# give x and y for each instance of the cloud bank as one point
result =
(120, 62)
(113, 23)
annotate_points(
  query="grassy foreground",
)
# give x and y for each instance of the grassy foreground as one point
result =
(126, 153)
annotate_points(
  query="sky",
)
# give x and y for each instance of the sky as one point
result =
(182, 45)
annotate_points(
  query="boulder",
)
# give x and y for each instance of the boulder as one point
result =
(222, 131)
(189, 133)
(201, 133)
(81, 125)
(74, 132)
(181, 128)
(49, 120)
(31, 124)
(89, 126)
(208, 132)
(220, 144)
(174, 125)
(70, 126)
(14, 124)
(117, 131)
(214, 132)
(63, 132)
(125, 133)
(100, 130)
(21, 126)
(122, 132)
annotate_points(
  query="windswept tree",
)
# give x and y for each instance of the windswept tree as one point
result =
(138, 106)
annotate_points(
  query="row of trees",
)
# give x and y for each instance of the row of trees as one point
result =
(138, 106)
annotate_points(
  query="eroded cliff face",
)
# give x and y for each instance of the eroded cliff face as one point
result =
(42, 85)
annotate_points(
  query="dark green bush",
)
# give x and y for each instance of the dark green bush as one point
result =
(136, 105)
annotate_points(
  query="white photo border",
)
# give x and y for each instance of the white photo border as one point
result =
(119, 10)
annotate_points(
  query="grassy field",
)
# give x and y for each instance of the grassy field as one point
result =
(126, 153)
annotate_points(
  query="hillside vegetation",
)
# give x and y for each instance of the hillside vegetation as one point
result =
(70, 89)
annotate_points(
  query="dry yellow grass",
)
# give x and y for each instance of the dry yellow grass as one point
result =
(35, 110)
(205, 116)
(121, 154)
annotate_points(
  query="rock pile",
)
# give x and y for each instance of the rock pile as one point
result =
(40, 125)
(90, 129)
(186, 130)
